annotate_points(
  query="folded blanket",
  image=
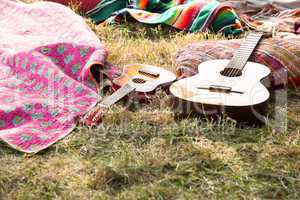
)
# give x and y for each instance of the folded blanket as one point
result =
(278, 53)
(46, 53)
(254, 6)
(188, 15)
(267, 17)
(291, 4)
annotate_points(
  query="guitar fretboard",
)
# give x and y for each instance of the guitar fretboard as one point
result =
(243, 54)
(117, 95)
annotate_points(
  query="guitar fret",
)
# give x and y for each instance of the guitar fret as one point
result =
(242, 55)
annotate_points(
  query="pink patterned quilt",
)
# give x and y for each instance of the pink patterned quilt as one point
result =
(46, 51)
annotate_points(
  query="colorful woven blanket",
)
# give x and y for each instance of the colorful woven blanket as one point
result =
(46, 52)
(188, 15)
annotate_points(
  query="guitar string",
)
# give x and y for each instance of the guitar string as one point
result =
(239, 59)
(234, 61)
(250, 43)
(250, 40)
(240, 55)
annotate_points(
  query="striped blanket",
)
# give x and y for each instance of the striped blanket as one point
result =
(188, 15)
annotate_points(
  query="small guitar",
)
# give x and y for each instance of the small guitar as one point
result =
(226, 86)
(135, 78)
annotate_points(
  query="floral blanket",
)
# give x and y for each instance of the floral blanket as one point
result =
(46, 52)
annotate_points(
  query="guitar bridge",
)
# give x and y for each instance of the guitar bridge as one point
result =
(149, 73)
(220, 89)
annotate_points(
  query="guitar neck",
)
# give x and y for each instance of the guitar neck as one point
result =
(243, 54)
(117, 95)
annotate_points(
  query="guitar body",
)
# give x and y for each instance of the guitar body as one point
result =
(152, 75)
(136, 78)
(241, 97)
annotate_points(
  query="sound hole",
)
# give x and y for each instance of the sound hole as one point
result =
(231, 72)
(138, 80)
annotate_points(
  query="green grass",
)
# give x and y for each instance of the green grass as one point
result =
(147, 154)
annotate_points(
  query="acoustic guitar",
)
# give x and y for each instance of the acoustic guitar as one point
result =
(232, 87)
(135, 78)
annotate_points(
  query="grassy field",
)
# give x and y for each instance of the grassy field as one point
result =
(147, 154)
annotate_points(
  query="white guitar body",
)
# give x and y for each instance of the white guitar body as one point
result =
(210, 92)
